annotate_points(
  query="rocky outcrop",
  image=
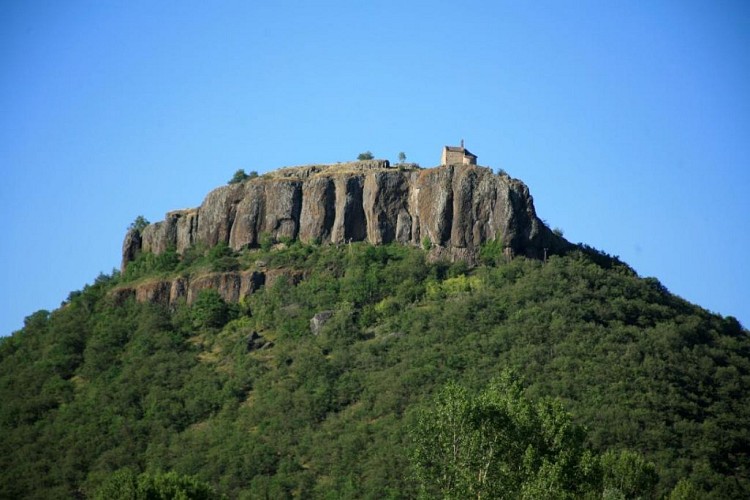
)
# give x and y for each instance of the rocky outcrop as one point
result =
(455, 207)
(130, 247)
(319, 320)
(232, 287)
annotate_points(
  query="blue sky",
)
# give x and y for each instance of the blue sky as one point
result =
(629, 121)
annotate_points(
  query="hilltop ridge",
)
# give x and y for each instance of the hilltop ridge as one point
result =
(450, 209)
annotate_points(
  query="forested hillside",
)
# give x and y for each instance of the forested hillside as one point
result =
(253, 401)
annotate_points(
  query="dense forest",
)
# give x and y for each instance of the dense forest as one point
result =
(575, 367)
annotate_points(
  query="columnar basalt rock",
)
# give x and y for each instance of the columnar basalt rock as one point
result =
(232, 286)
(131, 245)
(349, 222)
(385, 202)
(318, 209)
(455, 207)
(217, 214)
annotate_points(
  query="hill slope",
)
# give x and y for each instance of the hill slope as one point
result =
(250, 398)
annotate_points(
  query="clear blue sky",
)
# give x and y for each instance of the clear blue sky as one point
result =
(629, 121)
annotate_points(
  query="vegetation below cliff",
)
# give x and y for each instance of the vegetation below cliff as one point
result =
(248, 398)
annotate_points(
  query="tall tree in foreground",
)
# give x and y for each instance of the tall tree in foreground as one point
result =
(498, 444)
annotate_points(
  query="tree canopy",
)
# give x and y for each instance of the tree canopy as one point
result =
(138, 224)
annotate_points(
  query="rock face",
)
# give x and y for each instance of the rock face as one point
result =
(320, 319)
(455, 207)
(232, 287)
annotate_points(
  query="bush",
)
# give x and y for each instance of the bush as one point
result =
(239, 176)
(265, 241)
(147, 263)
(194, 255)
(209, 310)
(426, 243)
(222, 258)
(365, 156)
(492, 253)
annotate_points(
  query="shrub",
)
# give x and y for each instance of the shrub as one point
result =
(491, 253)
(192, 256)
(209, 310)
(240, 176)
(365, 156)
(265, 241)
(147, 263)
(222, 258)
(426, 243)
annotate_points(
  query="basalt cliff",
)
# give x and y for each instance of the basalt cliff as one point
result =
(450, 209)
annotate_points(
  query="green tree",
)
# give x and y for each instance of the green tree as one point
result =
(138, 224)
(492, 252)
(239, 176)
(222, 258)
(210, 310)
(500, 445)
(686, 490)
(365, 156)
(401, 157)
(629, 473)
(125, 484)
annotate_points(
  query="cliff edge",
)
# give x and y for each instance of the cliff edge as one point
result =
(456, 208)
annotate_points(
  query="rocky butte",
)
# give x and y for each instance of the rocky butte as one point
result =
(452, 209)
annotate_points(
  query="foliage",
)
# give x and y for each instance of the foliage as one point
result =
(222, 258)
(246, 399)
(500, 445)
(686, 490)
(149, 264)
(365, 156)
(138, 224)
(265, 241)
(492, 252)
(629, 474)
(210, 310)
(427, 243)
(238, 177)
(125, 484)
(401, 157)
